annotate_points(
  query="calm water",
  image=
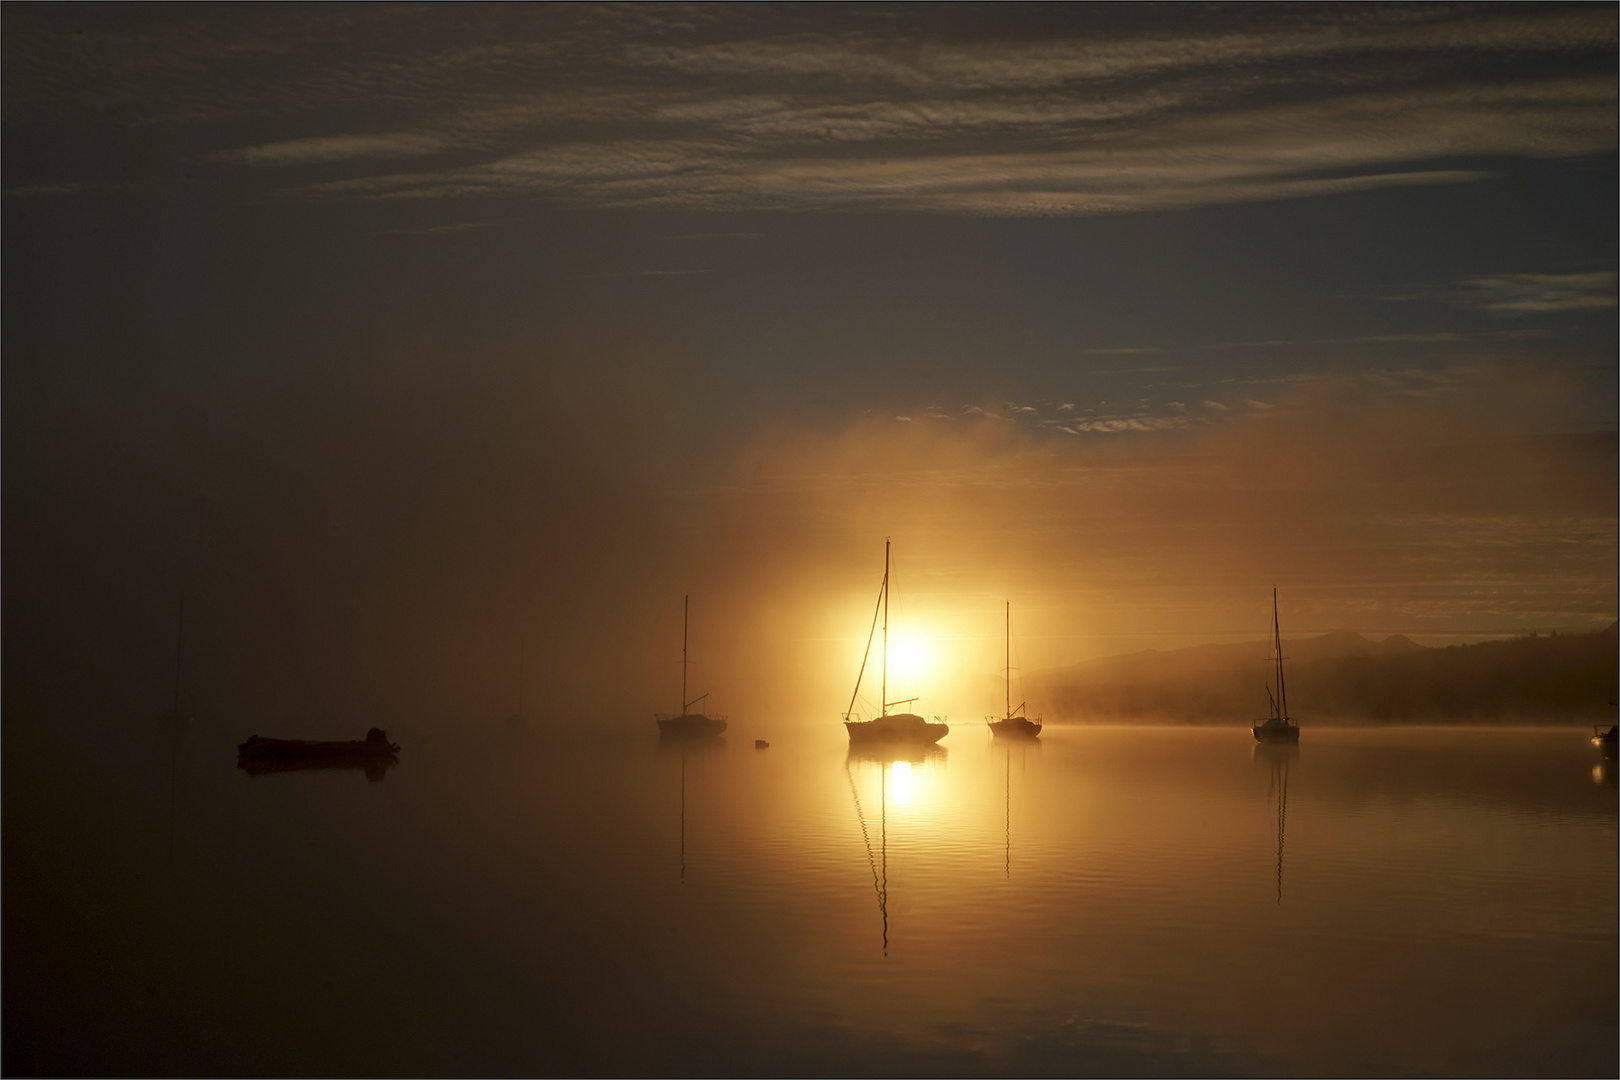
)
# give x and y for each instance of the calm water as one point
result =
(1106, 900)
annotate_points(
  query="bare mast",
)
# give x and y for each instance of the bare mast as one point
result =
(883, 685)
(1008, 669)
(1276, 632)
(686, 615)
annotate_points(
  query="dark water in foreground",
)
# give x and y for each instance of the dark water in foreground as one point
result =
(1105, 901)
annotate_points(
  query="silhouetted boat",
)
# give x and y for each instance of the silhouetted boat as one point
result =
(687, 722)
(1605, 740)
(1015, 726)
(1279, 726)
(278, 755)
(887, 727)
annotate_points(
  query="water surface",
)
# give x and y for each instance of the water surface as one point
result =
(1106, 900)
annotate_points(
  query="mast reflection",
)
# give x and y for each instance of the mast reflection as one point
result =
(885, 756)
(687, 746)
(1278, 757)
(1023, 746)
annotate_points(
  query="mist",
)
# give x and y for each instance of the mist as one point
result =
(376, 540)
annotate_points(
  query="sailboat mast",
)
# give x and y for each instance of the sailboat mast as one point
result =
(1282, 687)
(1009, 662)
(686, 616)
(884, 681)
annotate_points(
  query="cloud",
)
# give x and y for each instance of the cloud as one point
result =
(458, 227)
(740, 109)
(1102, 56)
(30, 190)
(319, 150)
(1262, 152)
(1540, 292)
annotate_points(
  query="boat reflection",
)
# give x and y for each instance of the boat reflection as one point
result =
(888, 753)
(1022, 746)
(675, 742)
(687, 745)
(1604, 772)
(375, 768)
(1278, 757)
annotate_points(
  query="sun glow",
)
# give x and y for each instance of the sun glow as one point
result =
(910, 660)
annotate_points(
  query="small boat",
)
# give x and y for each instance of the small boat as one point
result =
(1279, 726)
(1605, 740)
(373, 747)
(888, 727)
(686, 722)
(1012, 724)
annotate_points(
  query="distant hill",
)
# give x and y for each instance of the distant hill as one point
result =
(1344, 676)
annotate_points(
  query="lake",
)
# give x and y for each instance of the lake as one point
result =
(1105, 900)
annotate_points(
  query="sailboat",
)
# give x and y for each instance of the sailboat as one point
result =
(1011, 724)
(1279, 726)
(688, 722)
(887, 727)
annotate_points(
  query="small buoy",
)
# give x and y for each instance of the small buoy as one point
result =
(761, 744)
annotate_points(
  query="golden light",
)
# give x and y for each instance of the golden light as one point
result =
(900, 783)
(910, 659)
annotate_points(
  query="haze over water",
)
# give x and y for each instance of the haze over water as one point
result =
(425, 356)
(1105, 900)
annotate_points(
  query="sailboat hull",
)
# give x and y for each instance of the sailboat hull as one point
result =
(896, 728)
(1276, 731)
(695, 724)
(1016, 727)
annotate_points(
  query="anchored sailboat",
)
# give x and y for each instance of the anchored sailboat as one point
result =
(1279, 727)
(887, 727)
(1012, 724)
(688, 722)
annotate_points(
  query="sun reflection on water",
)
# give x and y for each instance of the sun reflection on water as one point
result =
(900, 783)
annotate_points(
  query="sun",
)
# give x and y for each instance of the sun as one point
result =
(910, 659)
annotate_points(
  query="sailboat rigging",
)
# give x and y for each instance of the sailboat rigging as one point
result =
(1012, 723)
(687, 722)
(887, 727)
(1279, 726)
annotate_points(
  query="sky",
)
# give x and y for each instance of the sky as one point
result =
(398, 339)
